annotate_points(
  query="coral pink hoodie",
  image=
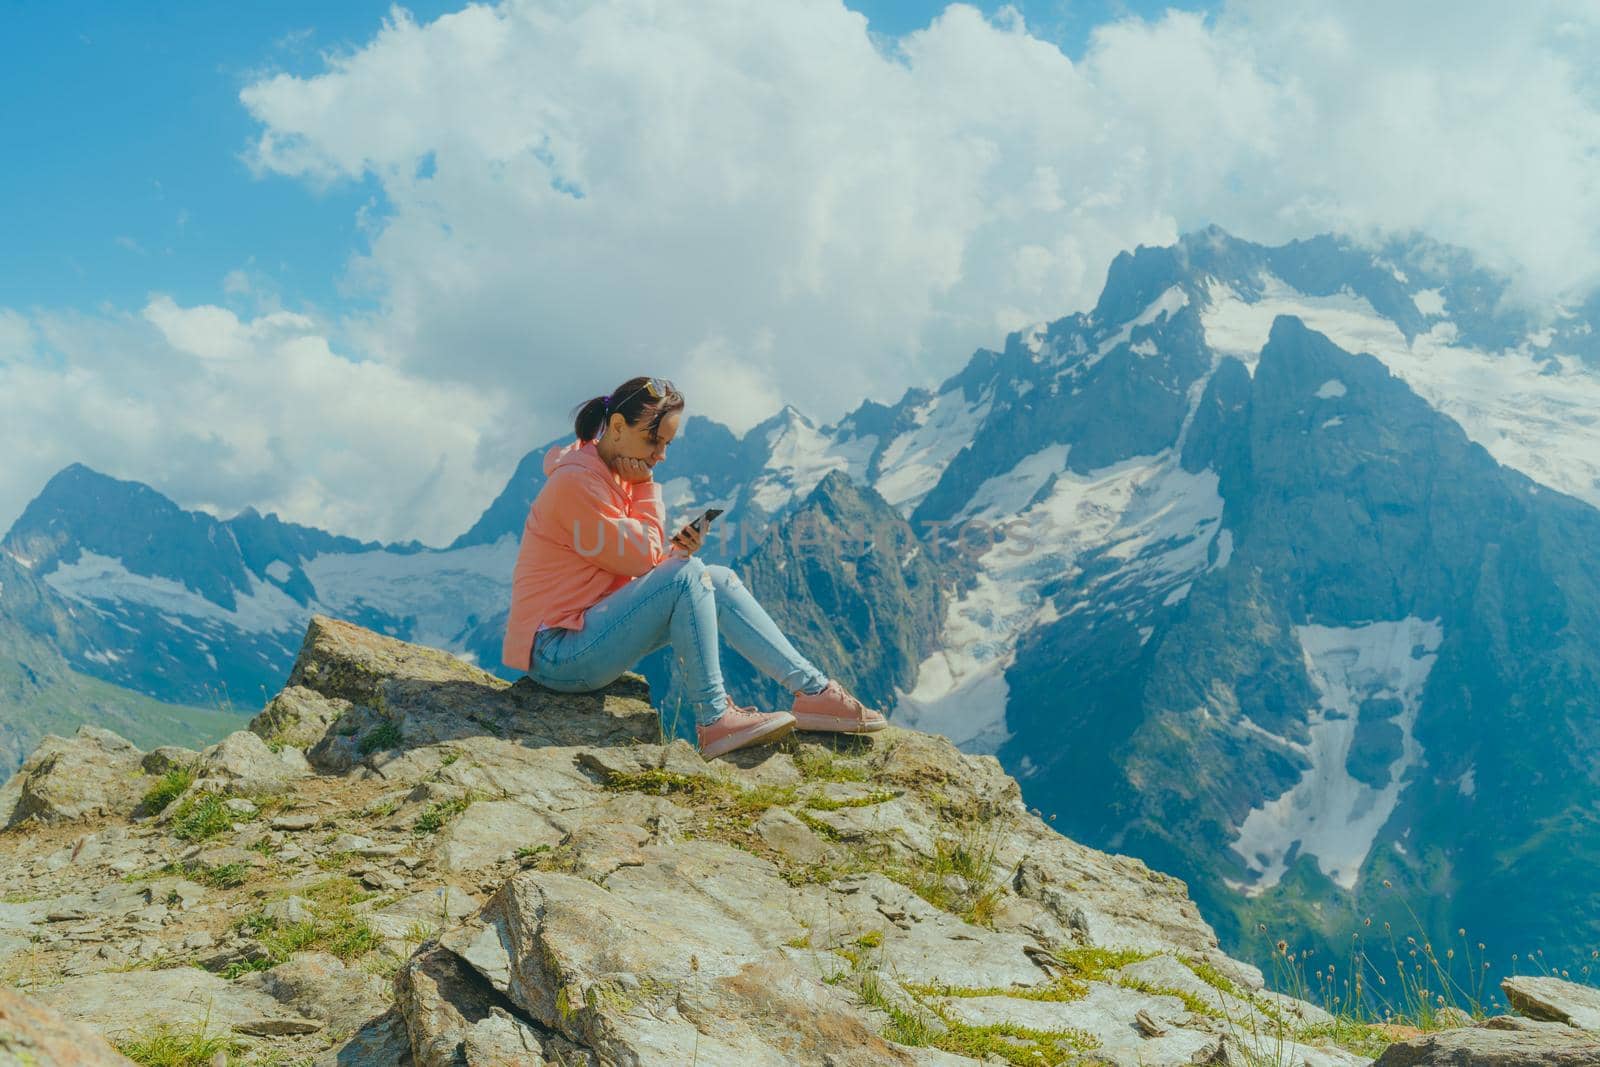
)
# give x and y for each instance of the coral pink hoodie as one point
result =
(588, 534)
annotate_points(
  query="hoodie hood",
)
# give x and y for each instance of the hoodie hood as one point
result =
(581, 453)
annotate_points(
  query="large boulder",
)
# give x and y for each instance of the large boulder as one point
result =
(1554, 1000)
(120, 1005)
(94, 772)
(32, 1034)
(422, 696)
(1498, 1042)
(244, 764)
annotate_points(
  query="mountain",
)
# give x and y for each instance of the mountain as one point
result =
(1270, 569)
(40, 694)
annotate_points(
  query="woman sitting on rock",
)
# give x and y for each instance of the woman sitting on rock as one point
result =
(596, 586)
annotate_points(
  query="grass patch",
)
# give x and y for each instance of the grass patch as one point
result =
(199, 818)
(224, 876)
(905, 1027)
(872, 799)
(1096, 964)
(169, 787)
(1012, 1044)
(439, 813)
(164, 1045)
(334, 928)
(385, 735)
(959, 878)
(822, 765)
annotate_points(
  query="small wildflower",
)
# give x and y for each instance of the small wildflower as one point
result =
(1283, 946)
(1367, 921)
(1388, 884)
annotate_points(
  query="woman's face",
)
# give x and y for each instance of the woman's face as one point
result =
(639, 442)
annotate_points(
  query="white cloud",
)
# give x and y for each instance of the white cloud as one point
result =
(769, 205)
(222, 412)
(579, 192)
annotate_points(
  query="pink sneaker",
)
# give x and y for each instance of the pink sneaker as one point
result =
(739, 727)
(836, 710)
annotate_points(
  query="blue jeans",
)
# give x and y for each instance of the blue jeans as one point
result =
(685, 603)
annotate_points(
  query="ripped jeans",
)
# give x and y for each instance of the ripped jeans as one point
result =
(685, 603)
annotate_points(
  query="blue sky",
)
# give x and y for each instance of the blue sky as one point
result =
(129, 121)
(322, 258)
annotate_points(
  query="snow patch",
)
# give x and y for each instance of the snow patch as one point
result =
(441, 593)
(800, 456)
(1531, 408)
(278, 570)
(1005, 495)
(263, 608)
(1328, 814)
(1466, 783)
(1330, 389)
(1337, 420)
(912, 463)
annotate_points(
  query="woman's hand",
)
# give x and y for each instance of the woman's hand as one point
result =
(632, 470)
(689, 539)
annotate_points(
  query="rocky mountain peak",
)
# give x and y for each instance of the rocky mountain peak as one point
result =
(405, 859)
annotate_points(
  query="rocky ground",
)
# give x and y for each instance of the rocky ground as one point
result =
(405, 860)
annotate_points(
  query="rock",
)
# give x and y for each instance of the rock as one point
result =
(490, 831)
(168, 758)
(782, 830)
(282, 1026)
(298, 716)
(441, 1001)
(1553, 1000)
(120, 1004)
(295, 821)
(432, 910)
(348, 842)
(1551, 1045)
(705, 925)
(31, 1033)
(319, 986)
(244, 763)
(1109, 1014)
(241, 807)
(383, 1042)
(431, 696)
(290, 911)
(95, 772)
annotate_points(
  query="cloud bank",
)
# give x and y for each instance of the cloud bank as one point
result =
(760, 202)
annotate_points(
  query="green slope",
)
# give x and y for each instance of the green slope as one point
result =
(31, 707)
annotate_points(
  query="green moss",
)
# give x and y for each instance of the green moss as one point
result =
(385, 735)
(1096, 964)
(169, 787)
(876, 797)
(1213, 977)
(1060, 990)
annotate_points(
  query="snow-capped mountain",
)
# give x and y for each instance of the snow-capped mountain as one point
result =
(1270, 568)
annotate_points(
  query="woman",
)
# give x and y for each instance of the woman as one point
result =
(596, 586)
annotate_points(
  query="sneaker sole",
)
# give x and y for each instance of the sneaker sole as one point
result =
(829, 724)
(764, 732)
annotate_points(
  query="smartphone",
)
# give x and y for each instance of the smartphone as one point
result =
(701, 523)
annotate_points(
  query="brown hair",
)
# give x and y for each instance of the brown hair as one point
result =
(633, 400)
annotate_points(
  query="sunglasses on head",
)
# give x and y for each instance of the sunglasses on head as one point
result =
(658, 388)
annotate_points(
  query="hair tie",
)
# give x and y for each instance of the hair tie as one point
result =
(606, 400)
